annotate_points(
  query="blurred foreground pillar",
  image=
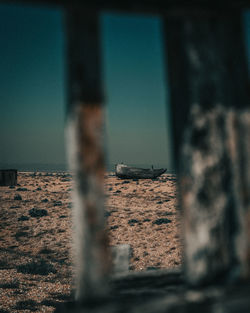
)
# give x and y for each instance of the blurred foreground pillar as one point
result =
(85, 146)
(211, 118)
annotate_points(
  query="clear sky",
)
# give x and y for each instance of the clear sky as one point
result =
(137, 106)
(33, 90)
(32, 87)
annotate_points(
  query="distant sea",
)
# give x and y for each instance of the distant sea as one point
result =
(36, 167)
(46, 167)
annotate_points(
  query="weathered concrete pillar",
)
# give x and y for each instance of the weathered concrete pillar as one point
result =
(85, 146)
(211, 118)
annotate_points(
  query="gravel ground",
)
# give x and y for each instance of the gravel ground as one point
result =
(36, 269)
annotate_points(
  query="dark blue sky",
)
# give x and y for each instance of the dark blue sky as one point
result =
(136, 90)
(32, 87)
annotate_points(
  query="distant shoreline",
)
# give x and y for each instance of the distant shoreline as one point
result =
(63, 168)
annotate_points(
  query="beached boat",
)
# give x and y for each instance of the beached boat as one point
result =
(128, 172)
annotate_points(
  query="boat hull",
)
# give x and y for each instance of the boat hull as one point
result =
(127, 172)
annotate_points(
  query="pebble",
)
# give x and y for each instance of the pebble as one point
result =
(58, 203)
(38, 212)
(23, 218)
(114, 227)
(22, 189)
(162, 221)
(132, 222)
(18, 197)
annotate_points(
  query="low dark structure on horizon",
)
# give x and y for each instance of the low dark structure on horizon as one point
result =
(127, 172)
(8, 177)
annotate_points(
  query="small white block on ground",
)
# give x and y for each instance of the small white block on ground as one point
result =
(121, 258)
